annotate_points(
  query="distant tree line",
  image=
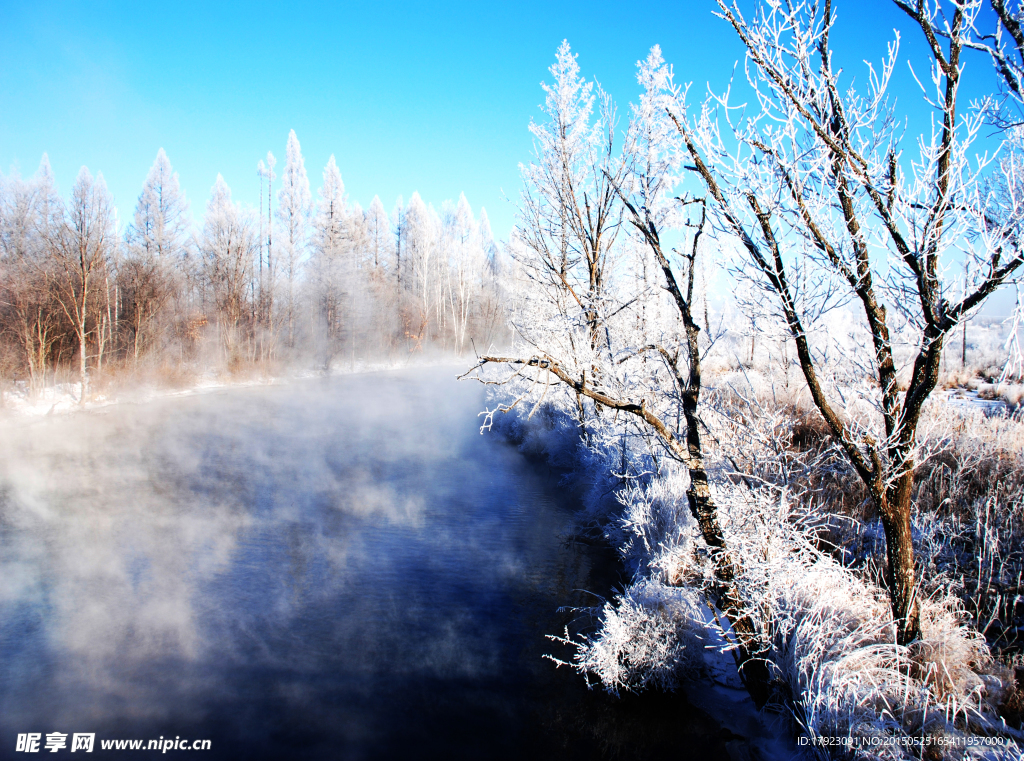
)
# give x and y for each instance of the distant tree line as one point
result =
(301, 279)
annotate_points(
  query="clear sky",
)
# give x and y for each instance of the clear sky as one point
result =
(428, 97)
(407, 96)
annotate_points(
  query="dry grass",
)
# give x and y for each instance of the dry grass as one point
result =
(968, 496)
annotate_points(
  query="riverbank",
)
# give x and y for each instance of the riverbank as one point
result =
(809, 571)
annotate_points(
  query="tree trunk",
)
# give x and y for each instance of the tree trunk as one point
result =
(751, 656)
(82, 359)
(900, 573)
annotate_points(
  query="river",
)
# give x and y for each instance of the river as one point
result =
(335, 568)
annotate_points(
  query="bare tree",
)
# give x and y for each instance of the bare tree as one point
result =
(648, 366)
(81, 242)
(815, 189)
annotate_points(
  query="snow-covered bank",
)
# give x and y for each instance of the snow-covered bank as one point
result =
(848, 690)
(658, 632)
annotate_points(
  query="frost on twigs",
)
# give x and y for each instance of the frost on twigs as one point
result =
(1014, 367)
(829, 631)
(651, 636)
(832, 643)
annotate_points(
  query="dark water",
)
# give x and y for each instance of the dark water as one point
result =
(333, 569)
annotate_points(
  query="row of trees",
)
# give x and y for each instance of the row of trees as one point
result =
(820, 200)
(301, 279)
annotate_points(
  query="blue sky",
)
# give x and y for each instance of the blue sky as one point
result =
(407, 96)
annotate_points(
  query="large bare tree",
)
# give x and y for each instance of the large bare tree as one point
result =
(820, 189)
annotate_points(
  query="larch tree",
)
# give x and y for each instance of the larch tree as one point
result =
(421, 238)
(487, 240)
(491, 307)
(330, 244)
(358, 238)
(228, 247)
(465, 267)
(155, 244)
(399, 229)
(294, 207)
(378, 231)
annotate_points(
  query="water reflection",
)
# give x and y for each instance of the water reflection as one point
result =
(337, 569)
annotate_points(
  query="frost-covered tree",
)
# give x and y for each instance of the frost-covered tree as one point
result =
(398, 227)
(261, 172)
(161, 214)
(82, 241)
(163, 288)
(228, 247)
(832, 200)
(490, 248)
(378, 232)
(30, 313)
(155, 244)
(644, 367)
(570, 215)
(331, 253)
(358, 238)
(294, 207)
(1003, 40)
(491, 308)
(466, 265)
(270, 280)
(420, 225)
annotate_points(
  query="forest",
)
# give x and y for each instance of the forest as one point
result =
(87, 300)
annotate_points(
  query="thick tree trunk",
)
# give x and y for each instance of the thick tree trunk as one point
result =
(900, 573)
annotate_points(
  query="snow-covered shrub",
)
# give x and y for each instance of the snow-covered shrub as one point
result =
(655, 528)
(652, 635)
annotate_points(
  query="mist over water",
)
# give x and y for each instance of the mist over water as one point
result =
(337, 568)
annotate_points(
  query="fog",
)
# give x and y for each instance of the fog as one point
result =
(332, 563)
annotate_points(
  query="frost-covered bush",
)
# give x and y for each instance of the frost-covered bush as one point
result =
(968, 521)
(655, 529)
(652, 635)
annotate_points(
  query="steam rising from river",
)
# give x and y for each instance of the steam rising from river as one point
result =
(162, 563)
